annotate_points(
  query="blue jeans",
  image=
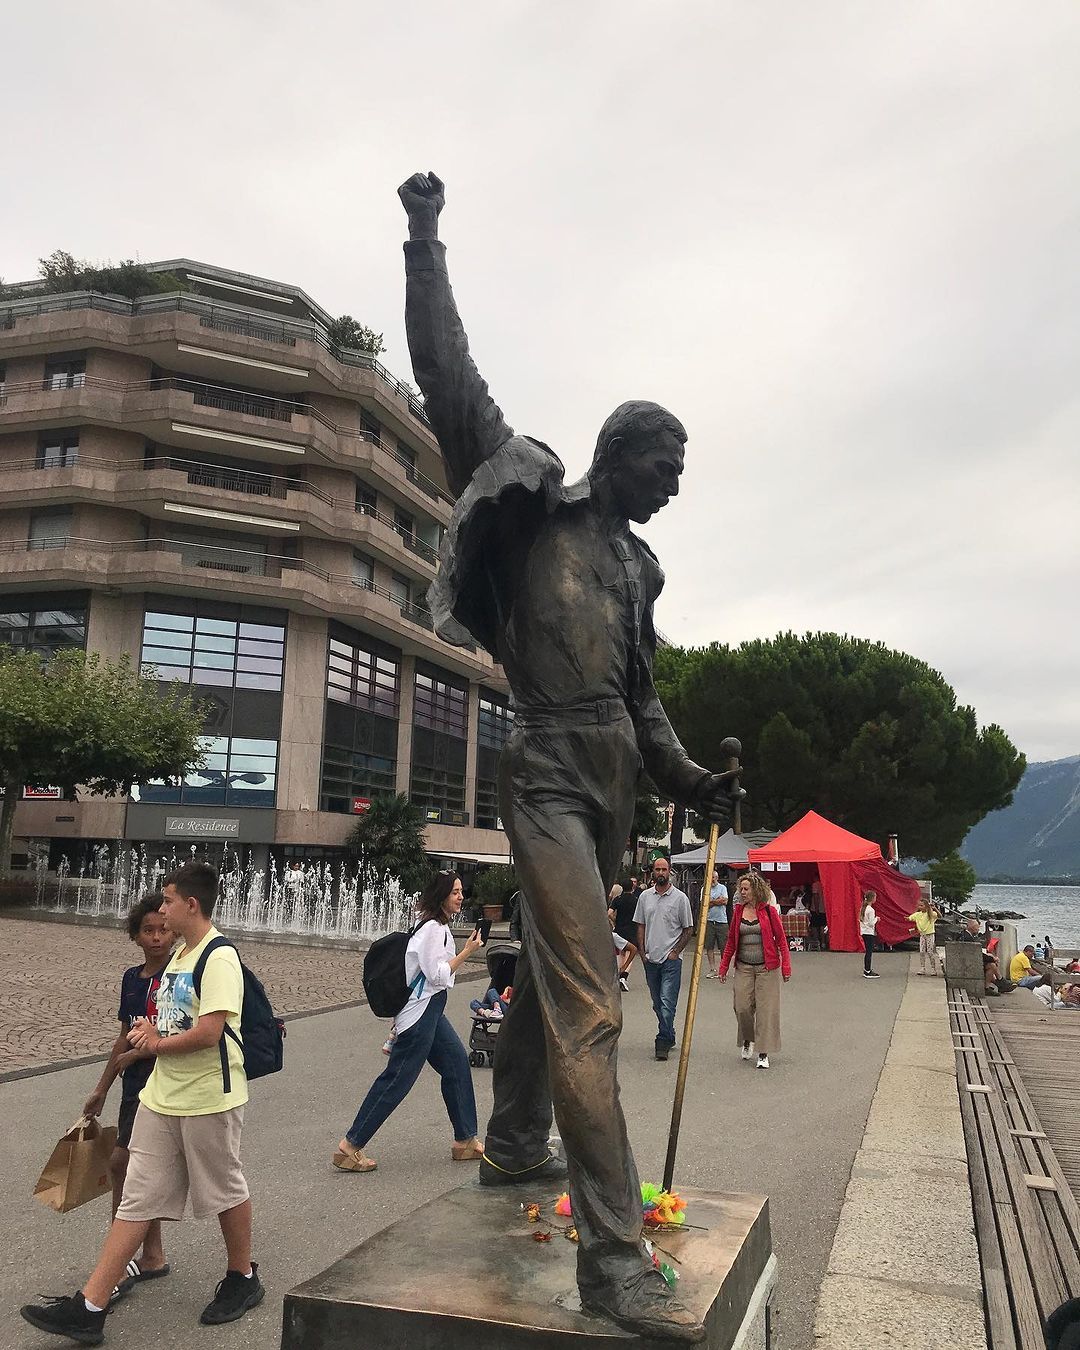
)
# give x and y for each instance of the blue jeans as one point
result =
(1030, 981)
(434, 1041)
(664, 979)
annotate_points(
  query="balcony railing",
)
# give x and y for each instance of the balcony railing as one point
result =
(230, 399)
(226, 561)
(226, 318)
(226, 478)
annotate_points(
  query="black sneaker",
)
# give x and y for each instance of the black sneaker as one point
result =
(68, 1317)
(871, 975)
(233, 1297)
(662, 1050)
(624, 984)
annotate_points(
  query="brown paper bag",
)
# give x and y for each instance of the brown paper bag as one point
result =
(78, 1170)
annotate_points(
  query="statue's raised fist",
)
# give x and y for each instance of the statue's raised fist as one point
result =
(423, 195)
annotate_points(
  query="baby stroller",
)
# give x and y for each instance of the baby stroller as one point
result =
(501, 959)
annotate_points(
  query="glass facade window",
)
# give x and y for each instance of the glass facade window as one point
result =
(198, 649)
(440, 742)
(440, 705)
(400, 590)
(363, 689)
(58, 450)
(371, 426)
(44, 624)
(359, 757)
(239, 771)
(367, 501)
(494, 721)
(357, 675)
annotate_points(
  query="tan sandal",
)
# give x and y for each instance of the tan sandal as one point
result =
(469, 1152)
(353, 1161)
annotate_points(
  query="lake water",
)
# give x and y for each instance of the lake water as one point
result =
(1049, 909)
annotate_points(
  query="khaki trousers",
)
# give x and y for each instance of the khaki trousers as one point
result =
(757, 1007)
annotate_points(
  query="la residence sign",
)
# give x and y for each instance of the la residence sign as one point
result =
(201, 827)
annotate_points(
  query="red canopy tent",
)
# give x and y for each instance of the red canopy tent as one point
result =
(847, 865)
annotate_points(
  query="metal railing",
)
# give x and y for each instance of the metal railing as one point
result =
(229, 318)
(227, 478)
(227, 560)
(228, 398)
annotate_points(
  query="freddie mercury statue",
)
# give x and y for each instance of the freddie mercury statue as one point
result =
(550, 580)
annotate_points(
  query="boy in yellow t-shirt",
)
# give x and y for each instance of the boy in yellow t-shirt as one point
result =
(185, 1143)
(925, 920)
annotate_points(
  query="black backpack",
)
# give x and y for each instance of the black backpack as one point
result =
(261, 1033)
(384, 973)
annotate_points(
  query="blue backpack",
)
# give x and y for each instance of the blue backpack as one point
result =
(262, 1035)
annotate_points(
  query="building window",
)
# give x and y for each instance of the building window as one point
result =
(239, 771)
(199, 649)
(358, 675)
(46, 624)
(400, 590)
(371, 426)
(65, 373)
(58, 450)
(3, 385)
(494, 720)
(367, 503)
(363, 571)
(359, 757)
(440, 739)
(50, 528)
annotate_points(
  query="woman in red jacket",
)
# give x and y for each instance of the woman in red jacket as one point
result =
(758, 945)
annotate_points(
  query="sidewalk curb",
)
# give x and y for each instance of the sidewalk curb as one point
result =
(904, 1265)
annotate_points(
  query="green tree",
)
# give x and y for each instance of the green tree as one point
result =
(349, 333)
(61, 272)
(953, 879)
(79, 721)
(495, 885)
(870, 737)
(390, 837)
(650, 814)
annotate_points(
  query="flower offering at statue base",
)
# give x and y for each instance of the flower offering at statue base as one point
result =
(659, 1208)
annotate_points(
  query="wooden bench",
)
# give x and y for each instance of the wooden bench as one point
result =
(1026, 1218)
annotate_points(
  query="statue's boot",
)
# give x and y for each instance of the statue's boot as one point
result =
(643, 1303)
(548, 1169)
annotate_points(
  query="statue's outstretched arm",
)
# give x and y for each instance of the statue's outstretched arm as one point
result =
(465, 418)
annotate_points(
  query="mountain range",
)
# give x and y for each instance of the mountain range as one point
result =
(1037, 838)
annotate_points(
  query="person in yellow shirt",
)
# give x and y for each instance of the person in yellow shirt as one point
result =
(185, 1142)
(1021, 971)
(925, 920)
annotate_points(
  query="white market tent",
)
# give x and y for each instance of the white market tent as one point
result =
(730, 849)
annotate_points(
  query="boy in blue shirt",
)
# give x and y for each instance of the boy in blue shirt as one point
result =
(138, 998)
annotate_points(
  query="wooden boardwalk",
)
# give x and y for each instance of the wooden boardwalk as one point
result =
(1027, 1211)
(1045, 1047)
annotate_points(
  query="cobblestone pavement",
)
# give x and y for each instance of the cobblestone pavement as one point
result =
(59, 986)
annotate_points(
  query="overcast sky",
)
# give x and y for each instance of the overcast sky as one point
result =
(839, 240)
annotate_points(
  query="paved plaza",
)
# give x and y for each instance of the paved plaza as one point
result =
(792, 1132)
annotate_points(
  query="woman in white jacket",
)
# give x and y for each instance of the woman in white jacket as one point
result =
(422, 1034)
(868, 921)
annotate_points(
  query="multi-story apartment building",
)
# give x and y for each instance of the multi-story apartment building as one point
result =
(204, 480)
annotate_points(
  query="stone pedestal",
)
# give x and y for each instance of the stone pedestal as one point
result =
(463, 1272)
(964, 968)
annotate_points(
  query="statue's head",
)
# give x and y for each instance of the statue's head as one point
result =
(639, 457)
